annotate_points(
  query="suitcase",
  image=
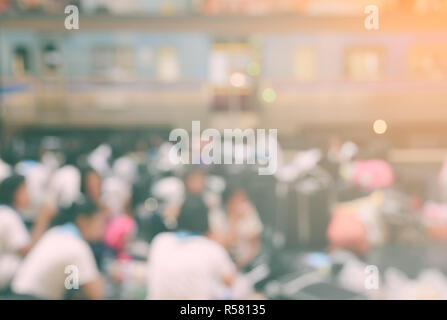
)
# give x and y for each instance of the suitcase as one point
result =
(304, 210)
(308, 285)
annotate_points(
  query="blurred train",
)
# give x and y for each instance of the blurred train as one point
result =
(313, 79)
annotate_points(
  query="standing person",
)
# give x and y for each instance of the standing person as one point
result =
(195, 181)
(43, 272)
(92, 188)
(186, 264)
(63, 188)
(243, 226)
(91, 184)
(14, 238)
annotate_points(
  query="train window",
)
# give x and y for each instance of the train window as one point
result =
(112, 62)
(145, 58)
(218, 67)
(102, 61)
(305, 64)
(51, 57)
(428, 62)
(21, 64)
(168, 65)
(364, 64)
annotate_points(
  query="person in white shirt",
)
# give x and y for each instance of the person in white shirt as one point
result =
(62, 259)
(63, 189)
(14, 237)
(187, 264)
(244, 226)
(65, 186)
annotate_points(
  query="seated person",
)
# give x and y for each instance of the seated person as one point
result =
(243, 227)
(14, 238)
(186, 264)
(62, 249)
(64, 187)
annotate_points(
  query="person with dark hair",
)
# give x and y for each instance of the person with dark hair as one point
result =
(63, 259)
(13, 191)
(244, 226)
(195, 180)
(91, 184)
(65, 185)
(193, 216)
(186, 264)
(14, 238)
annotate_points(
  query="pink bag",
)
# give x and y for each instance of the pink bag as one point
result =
(373, 174)
(118, 233)
(346, 231)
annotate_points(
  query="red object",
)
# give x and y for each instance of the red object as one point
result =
(373, 174)
(118, 233)
(346, 231)
(5, 5)
(435, 216)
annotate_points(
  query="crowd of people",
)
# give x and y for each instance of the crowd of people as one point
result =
(101, 216)
(65, 209)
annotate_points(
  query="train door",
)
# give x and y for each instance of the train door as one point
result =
(234, 68)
